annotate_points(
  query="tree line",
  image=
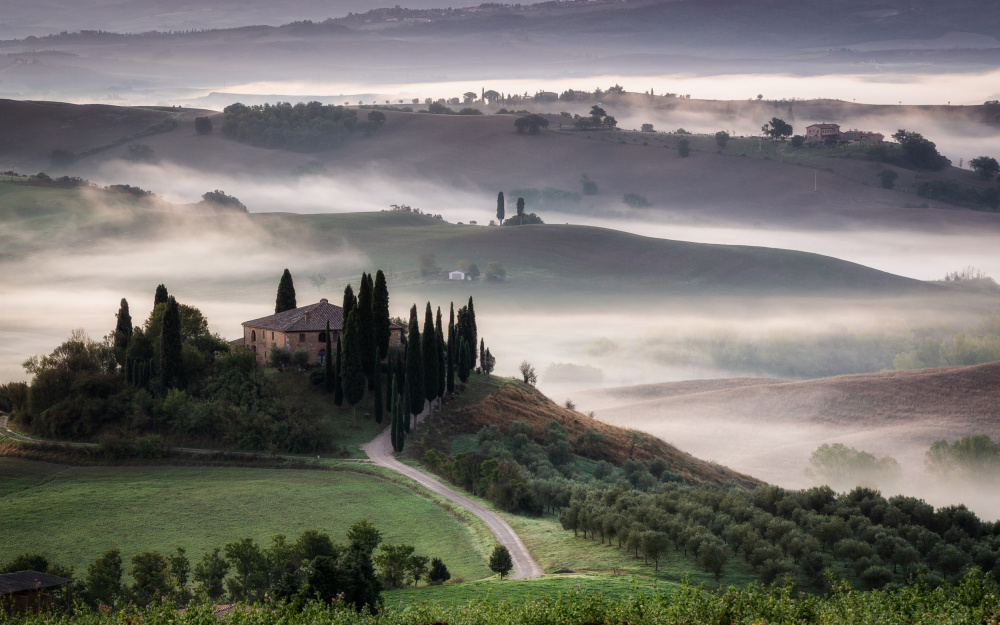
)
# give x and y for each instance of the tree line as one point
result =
(311, 567)
(167, 376)
(304, 127)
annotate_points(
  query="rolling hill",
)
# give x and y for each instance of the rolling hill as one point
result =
(454, 160)
(769, 427)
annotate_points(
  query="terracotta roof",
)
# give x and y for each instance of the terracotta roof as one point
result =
(29, 580)
(311, 318)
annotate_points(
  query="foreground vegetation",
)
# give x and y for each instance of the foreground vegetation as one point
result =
(972, 600)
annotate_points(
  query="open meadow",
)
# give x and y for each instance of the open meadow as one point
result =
(74, 514)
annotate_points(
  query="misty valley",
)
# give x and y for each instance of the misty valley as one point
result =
(567, 311)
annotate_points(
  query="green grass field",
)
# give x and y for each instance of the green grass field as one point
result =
(73, 514)
(556, 549)
(551, 586)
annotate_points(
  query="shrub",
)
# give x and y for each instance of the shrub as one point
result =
(202, 125)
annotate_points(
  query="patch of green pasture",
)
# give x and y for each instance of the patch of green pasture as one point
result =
(17, 474)
(520, 590)
(555, 548)
(81, 512)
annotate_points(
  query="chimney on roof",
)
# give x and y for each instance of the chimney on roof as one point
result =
(324, 301)
(307, 315)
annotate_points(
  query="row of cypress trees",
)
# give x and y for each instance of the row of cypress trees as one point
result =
(136, 353)
(424, 372)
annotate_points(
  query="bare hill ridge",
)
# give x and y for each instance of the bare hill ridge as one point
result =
(483, 154)
(768, 428)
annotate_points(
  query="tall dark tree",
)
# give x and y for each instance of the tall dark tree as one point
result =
(394, 426)
(404, 414)
(450, 374)
(414, 382)
(350, 301)
(377, 389)
(390, 377)
(482, 353)
(338, 386)
(428, 349)
(366, 327)
(352, 375)
(286, 294)
(171, 360)
(380, 310)
(123, 333)
(500, 208)
(463, 360)
(328, 366)
(139, 360)
(520, 210)
(473, 333)
(160, 297)
(442, 369)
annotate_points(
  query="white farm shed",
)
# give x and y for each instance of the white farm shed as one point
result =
(456, 275)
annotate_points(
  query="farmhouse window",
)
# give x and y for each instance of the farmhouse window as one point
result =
(302, 338)
(253, 335)
(322, 337)
(322, 356)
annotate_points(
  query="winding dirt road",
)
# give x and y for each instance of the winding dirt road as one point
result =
(380, 452)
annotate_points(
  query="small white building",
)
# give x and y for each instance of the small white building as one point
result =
(456, 275)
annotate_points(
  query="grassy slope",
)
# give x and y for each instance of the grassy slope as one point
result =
(73, 514)
(507, 401)
(558, 256)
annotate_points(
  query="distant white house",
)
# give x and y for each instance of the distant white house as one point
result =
(456, 275)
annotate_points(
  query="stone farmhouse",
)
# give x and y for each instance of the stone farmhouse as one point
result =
(301, 328)
(832, 132)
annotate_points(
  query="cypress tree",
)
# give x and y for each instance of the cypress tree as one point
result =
(394, 416)
(414, 382)
(352, 376)
(500, 208)
(328, 369)
(171, 362)
(402, 424)
(160, 297)
(366, 328)
(377, 389)
(428, 349)
(380, 310)
(404, 411)
(349, 302)
(450, 375)
(286, 294)
(123, 333)
(473, 334)
(138, 359)
(482, 353)
(390, 378)
(442, 369)
(338, 387)
(520, 211)
(463, 360)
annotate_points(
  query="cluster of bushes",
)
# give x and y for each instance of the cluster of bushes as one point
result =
(520, 471)
(304, 127)
(953, 193)
(138, 381)
(974, 599)
(789, 534)
(438, 108)
(975, 458)
(312, 567)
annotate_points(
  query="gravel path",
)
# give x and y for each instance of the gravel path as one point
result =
(380, 452)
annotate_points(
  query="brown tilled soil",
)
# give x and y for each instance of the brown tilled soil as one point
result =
(768, 429)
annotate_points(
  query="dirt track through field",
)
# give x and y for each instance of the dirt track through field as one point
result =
(380, 451)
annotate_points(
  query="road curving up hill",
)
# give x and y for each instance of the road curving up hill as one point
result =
(380, 451)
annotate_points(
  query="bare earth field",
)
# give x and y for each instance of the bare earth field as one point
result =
(767, 428)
